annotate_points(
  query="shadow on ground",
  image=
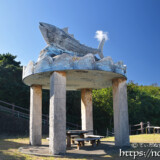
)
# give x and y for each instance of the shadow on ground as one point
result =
(104, 151)
(9, 149)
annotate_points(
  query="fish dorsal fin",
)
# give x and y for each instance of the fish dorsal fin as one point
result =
(65, 29)
(72, 35)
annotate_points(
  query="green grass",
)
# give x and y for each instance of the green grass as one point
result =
(9, 148)
(141, 138)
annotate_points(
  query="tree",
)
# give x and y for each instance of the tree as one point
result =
(12, 88)
(102, 109)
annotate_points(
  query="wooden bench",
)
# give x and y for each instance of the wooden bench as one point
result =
(93, 136)
(94, 141)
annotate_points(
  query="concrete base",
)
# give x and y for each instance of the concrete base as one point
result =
(35, 115)
(57, 119)
(76, 79)
(86, 152)
(87, 110)
(120, 107)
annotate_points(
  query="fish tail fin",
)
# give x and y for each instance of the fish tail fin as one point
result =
(100, 48)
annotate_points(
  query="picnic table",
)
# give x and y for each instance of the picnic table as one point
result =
(69, 133)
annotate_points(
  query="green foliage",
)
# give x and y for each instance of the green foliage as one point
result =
(8, 60)
(12, 89)
(144, 104)
(102, 109)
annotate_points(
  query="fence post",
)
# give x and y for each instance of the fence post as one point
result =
(141, 123)
(148, 125)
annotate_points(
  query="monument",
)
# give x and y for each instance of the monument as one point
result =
(66, 64)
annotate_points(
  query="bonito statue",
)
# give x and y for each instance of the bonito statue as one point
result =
(59, 41)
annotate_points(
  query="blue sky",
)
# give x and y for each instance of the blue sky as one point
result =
(133, 27)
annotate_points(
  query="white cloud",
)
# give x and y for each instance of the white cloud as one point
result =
(101, 35)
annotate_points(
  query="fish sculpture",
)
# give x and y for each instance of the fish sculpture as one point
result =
(65, 42)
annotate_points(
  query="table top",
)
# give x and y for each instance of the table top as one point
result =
(76, 132)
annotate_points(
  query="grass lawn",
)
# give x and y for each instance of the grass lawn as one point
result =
(9, 148)
(141, 138)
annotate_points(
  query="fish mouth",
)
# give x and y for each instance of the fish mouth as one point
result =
(47, 27)
(48, 31)
(41, 24)
(44, 30)
(42, 27)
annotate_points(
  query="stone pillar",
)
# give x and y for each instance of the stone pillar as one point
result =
(35, 115)
(87, 110)
(120, 107)
(57, 115)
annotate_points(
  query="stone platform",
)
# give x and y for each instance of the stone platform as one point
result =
(81, 72)
(103, 150)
